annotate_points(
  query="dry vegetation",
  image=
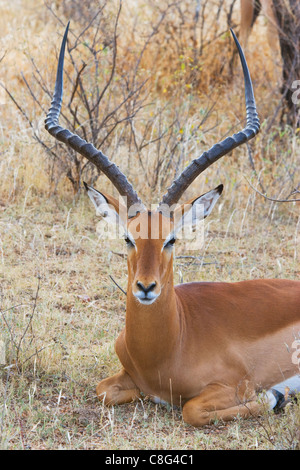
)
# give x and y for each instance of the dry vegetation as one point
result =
(60, 312)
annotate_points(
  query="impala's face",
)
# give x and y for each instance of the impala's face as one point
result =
(149, 255)
(150, 237)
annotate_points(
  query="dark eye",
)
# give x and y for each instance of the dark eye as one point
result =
(129, 242)
(170, 243)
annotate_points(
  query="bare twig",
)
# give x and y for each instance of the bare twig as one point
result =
(271, 198)
(124, 292)
(29, 324)
(253, 167)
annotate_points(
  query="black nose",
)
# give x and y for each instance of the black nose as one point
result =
(146, 289)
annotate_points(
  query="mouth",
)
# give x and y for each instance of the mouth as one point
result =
(146, 299)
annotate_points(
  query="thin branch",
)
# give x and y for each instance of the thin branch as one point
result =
(271, 198)
(36, 353)
(124, 292)
(48, 149)
(32, 94)
(114, 60)
(253, 167)
(30, 318)
(76, 85)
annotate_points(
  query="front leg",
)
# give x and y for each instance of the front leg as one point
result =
(117, 389)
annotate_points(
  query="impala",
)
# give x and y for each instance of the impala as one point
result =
(210, 347)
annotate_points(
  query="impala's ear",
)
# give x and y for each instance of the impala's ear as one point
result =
(107, 206)
(188, 214)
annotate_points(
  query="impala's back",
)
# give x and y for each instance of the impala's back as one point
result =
(250, 327)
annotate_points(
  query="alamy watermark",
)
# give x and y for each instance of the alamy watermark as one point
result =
(2, 352)
(184, 222)
(296, 353)
(296, 94)
(2, 93)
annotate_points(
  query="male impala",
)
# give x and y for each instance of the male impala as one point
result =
(208, 346)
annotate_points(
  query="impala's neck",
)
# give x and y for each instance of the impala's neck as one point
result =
(152, 330)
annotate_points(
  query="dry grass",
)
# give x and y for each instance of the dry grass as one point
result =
(60, 312)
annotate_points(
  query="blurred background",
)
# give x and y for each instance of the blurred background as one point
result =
(152, 84)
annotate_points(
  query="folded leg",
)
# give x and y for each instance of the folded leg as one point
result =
(218, 401)
(117, 389)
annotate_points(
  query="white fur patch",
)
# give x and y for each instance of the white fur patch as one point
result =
(293, 384)
(158, 401)
(268, 398)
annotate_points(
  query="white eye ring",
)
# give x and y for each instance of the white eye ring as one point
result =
(129, 241)
(169, 242)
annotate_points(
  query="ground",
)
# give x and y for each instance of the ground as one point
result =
(60, 312)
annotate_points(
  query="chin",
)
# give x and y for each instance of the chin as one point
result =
(146, 301)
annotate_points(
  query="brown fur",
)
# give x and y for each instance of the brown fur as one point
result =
(207, 346)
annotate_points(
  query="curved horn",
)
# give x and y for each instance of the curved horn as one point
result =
(95, 156)
(198, 165)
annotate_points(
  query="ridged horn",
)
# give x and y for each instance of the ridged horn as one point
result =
(80, 145)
